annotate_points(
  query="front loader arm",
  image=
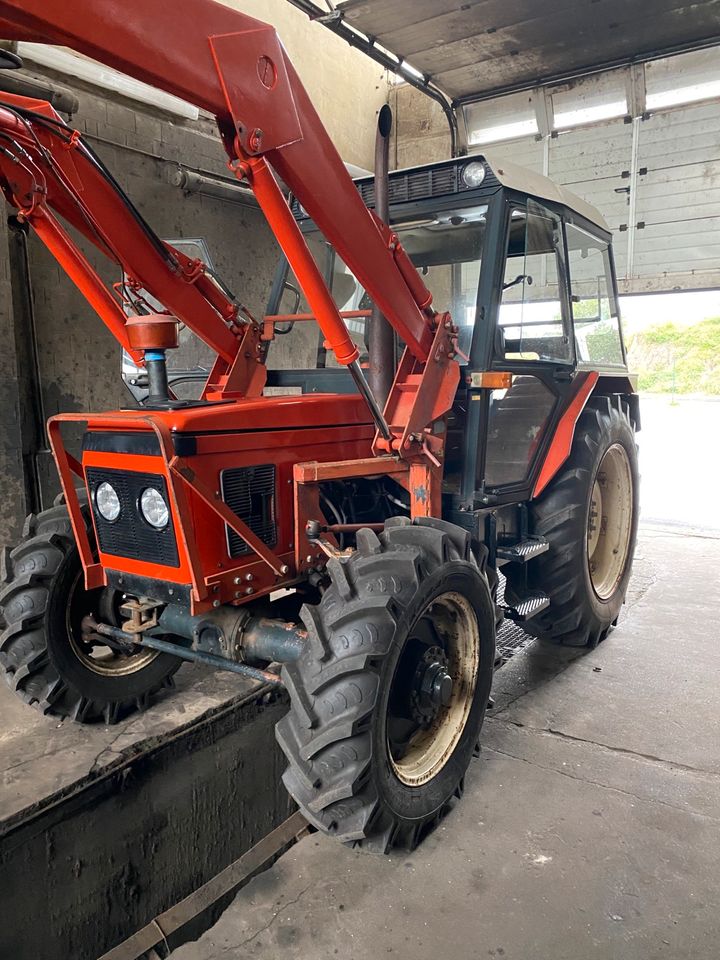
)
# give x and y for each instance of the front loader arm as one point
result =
(234, 66)
(48, 172)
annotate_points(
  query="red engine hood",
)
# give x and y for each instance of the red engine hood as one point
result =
(239, 416)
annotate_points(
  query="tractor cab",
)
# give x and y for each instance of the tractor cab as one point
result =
(524, 267)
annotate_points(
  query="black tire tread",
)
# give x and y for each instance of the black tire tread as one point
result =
(558, 515)
(334, 684)
(27, 576)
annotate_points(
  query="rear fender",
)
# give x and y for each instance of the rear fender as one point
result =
(588, 384)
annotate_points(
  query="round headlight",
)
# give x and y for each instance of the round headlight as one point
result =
(153, 508)
(474, 173)
(107, 502)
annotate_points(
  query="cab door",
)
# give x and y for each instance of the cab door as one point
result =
(533, 342)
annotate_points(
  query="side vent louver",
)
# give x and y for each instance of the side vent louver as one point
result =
(250, 493)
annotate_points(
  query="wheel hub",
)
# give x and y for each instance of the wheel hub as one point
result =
(432, 686)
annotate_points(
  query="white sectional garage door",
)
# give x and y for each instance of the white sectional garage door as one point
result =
(644, 149)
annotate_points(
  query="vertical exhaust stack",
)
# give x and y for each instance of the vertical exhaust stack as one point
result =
(381, 341)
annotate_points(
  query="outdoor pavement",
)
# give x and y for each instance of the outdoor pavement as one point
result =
(680, 462)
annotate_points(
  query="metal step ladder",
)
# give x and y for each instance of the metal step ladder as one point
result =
(523, 551)
(528, 606)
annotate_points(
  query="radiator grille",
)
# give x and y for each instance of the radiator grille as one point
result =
(250, 494)
(130, 535)
(414, 185)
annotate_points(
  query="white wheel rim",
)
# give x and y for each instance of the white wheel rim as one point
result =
(610, 519)
(430, 749)
(101, 659)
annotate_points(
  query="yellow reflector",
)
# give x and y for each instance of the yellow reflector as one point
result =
(490, 381)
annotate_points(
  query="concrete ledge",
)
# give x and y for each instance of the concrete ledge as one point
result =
(104, 827)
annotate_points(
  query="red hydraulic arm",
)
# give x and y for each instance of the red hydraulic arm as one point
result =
(47, 171)
(235, 67)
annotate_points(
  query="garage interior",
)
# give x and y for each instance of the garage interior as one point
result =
(588, 827)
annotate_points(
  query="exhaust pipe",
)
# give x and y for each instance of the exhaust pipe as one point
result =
(381, 340)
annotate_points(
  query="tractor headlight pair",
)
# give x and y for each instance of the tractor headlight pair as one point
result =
(152, 505)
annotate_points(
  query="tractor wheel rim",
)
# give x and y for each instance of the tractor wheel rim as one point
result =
(99, 658)
(610, 518)
(445, 689)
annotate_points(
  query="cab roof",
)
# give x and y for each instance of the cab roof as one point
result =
(444, 178)
(519, 178)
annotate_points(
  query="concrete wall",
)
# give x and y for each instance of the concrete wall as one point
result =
(12, 476)
(78, 359)
(420, 128)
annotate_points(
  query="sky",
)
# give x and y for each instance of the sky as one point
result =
(684, 309)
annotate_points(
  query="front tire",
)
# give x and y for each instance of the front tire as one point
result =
(589, 515)
(389, 694)
(45, 659)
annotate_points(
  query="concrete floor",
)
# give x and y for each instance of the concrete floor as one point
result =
(590, 827)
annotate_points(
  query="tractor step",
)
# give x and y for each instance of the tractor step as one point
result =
(527, 608)
(524, 550)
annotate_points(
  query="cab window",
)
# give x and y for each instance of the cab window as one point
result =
(533, 320)
(445, 247)
(596, 317)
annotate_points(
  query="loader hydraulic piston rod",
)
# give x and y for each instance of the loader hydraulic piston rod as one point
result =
(364, 388)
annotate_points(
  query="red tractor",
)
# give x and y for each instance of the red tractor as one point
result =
(351, 526)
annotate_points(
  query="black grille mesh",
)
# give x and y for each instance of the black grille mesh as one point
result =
(414, 185)
(130, 535)
(419, 184)
(250, 493)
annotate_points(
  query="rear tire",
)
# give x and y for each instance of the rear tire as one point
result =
(42, 653)
(361, 765)
(586, 571)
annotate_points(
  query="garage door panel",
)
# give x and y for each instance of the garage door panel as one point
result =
(687, 272)
(667, 125)
(678, 210)
(620, 241)
(678, 199)
(606, 164)
(526, 153)
(683, 181)
(676, 196)
(700, 148)
(590, 162)
(702, 230)
(676, 247)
